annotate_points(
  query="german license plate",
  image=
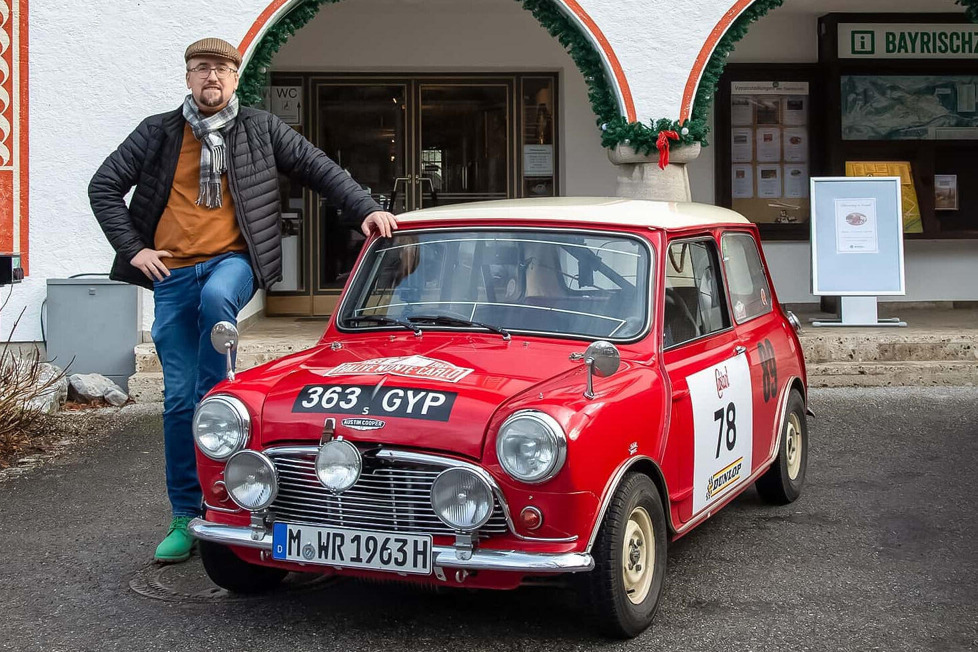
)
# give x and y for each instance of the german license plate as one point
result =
(385, 551)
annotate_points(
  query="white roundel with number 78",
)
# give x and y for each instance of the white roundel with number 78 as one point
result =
(723, 423)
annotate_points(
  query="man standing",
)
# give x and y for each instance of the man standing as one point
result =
(201, 231)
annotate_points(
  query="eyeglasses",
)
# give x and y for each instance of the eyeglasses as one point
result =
(203, 71)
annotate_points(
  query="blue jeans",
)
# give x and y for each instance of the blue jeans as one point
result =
(188, 303)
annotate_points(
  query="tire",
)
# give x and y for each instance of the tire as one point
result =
(230, 572)
(782, 483)
(623, 593)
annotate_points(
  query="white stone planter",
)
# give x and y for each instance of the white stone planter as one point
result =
(639, 176)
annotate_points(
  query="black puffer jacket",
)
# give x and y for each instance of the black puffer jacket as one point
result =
(260, 146)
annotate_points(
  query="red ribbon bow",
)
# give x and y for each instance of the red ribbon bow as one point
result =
(662, 144)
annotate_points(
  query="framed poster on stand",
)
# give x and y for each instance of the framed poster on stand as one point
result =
(857, 245)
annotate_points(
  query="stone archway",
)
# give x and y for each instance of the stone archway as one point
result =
(262, 41)
(708, 52)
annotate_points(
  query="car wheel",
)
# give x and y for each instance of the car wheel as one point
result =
(629, 553)
(782, 483)
(230, 572)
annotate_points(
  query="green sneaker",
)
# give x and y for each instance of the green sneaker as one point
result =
(178, 542)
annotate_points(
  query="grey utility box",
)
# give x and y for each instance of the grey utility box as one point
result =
(94, 321)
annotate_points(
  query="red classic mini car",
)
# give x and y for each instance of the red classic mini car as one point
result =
(510, 390)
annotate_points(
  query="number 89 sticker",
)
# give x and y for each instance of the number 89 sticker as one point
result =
(723, 419)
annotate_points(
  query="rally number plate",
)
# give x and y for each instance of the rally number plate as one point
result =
(385, 551)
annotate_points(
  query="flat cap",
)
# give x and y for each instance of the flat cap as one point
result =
(213, 47)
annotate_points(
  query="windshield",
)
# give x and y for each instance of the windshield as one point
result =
(585, 284)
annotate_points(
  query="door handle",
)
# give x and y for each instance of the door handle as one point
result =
(431, 186)
(739, 349)
(393, 197)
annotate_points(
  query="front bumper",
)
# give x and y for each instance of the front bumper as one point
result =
(444, 556)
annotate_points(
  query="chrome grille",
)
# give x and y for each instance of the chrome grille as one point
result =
(388, 497)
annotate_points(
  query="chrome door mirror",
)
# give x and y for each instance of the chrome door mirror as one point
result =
(793, 320)
(602, 360)
(224, 339)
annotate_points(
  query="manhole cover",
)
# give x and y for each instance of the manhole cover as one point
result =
(188, 582)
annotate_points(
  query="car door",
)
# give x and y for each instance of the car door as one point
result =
(758, 328)
(710, 443)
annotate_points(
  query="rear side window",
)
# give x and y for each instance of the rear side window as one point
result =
(694, 305)
(750, 294)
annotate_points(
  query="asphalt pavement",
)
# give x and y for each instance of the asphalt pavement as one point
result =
(879, 553)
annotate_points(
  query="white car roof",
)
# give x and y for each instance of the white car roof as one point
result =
(594, 210)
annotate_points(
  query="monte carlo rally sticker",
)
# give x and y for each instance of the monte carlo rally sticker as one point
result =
(412, 366)
(723, 420)
(382, 400)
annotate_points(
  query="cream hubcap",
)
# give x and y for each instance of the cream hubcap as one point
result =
(793, 445)
(638, 556)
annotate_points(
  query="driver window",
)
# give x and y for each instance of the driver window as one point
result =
(694, 304)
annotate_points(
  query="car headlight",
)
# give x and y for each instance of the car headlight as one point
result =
(251, 480)
(531, 446)
(221, 426)
(461, 499)
(338, 465)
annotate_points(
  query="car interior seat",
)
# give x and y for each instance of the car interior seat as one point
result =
(679, 323)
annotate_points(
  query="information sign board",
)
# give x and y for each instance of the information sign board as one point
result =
(857, 236)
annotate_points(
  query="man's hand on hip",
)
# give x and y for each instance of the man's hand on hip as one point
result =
(148, 262)
(381, 221)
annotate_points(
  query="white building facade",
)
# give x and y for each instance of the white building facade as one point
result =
(442, 101)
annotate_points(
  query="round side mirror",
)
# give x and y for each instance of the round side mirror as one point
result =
(224, 336)
(603, 358)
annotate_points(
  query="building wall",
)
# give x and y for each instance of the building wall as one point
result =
(98, 68)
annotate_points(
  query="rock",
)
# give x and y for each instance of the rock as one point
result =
(50, 400)
(115, 396)
(89, 387)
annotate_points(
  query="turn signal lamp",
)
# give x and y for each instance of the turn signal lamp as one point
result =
(531, 518)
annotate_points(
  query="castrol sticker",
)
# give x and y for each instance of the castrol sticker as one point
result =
(412, 366)
(723, 419)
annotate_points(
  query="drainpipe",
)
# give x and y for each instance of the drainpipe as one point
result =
(639, 176)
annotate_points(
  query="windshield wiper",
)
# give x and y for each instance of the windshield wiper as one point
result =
(378, 319)
(459, 321)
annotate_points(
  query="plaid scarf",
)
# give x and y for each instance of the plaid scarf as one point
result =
(213, 154)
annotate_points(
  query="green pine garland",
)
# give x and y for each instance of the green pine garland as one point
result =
(254, 79)
(970, 9)
(615, 129)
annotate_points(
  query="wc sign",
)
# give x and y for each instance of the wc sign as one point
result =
(286, 103)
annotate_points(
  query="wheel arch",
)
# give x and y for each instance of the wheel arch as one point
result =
(639, 464)
(800, 386)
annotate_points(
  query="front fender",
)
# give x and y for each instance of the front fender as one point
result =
(625, 420)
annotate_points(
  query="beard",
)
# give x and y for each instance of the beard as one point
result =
(210, 98)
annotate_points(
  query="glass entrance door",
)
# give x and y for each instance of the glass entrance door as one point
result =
(363, 127)
(412, 142)
(464, 143)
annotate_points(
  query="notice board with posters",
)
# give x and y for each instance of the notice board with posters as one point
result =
(902, 89)
(769, 135)
(769, 150)
(857, 236)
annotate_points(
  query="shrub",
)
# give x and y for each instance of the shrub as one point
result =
(24, 380)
